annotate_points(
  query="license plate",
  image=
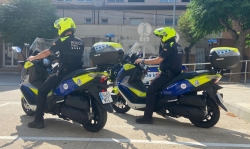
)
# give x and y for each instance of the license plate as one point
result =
(220, 98)
(105, 97)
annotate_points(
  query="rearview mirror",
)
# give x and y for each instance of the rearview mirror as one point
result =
(16, 49)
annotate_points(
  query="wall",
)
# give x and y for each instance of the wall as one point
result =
(147, 2)
(1, 52)
(127, 35)
(118, 17)
(125, 2)
(4, 2)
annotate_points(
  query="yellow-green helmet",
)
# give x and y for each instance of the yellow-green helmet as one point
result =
(64, 25)
(165, 33)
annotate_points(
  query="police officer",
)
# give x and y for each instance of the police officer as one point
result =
(71, 51)
(170, 60)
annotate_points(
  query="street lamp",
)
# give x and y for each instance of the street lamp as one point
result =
(174, 13)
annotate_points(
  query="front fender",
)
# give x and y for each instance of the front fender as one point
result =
(115, 91)
(95, 92)
(115, 94)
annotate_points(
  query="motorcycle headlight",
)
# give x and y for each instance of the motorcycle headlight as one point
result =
(46, 62)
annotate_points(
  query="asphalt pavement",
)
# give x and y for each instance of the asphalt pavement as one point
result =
(121, 131)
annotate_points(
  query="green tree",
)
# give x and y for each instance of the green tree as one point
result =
(22, 21)
(247, 41)
(214, 16)
(189, 33)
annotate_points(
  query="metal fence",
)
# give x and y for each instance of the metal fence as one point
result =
(244, 73)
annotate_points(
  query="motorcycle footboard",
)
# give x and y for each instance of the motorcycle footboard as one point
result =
(188, 112)
(28, 94)
(74, 114)
(95, 92)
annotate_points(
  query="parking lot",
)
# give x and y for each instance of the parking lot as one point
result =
(120, 132)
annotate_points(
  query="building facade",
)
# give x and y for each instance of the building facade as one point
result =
(96, 18)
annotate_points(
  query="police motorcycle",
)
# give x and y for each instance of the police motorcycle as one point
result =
(81, 96)
(193, 95)
(119, 104)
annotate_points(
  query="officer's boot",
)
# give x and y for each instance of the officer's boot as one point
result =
(147, 118)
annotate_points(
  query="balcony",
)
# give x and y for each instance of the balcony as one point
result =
(146, 2)
(123, 4)
(75, 2)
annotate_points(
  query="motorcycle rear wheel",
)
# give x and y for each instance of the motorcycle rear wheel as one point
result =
(212, 117)
(26, 108)
(99, 119)
(123, 108)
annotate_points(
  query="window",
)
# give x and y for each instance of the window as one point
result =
(88, 20)
(185, 0)
(168, 1)
(10, 58)
(169, 21)
(105, 21)
(85, 0)
(135, 21)
(115, 1)
(136, 0)
(200, 57)
(63, 0)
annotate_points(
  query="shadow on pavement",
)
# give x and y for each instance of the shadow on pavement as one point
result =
(8, 88)
(9, 82)
(190, 133)
(61, 128)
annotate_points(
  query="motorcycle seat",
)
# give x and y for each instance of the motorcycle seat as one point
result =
(185, 75)
(78, 73)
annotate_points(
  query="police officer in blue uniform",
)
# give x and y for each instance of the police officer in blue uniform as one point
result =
(71, 51)
(170, 60)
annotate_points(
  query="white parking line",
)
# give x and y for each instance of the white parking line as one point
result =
(4, 104)
(19, 103)
(123, 141)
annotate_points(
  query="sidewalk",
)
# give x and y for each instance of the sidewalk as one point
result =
(237, 99)
(10, 79)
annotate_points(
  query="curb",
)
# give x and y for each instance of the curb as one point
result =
(229, 83)
(220, 82)
(240, 112)
(10, 73)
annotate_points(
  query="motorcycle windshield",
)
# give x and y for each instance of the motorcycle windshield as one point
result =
(41, 44)
(136, 48)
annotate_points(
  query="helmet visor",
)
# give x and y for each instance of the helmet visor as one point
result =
(56, 24)
(158, 33)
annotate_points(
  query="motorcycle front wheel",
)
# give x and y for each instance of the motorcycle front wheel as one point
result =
(121, 106)
(99, 118)
(26, 108)
(212, 117)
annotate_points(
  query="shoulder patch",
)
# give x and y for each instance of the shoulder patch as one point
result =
(171, 44)
(165, 49)
(54, 44)
(64, 38)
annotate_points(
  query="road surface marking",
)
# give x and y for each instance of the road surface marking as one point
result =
(4, 104)
(123, 141)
